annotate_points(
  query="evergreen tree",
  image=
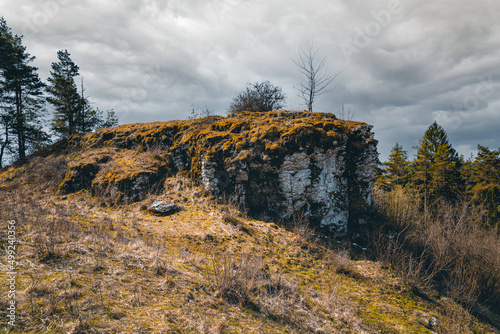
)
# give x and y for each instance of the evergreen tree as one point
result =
(396, 171)
(64, 95)
(111, 120)
(436, 166)
(467, 172)
(445, 173)
(434, 137)
(21, 94)
(486, 178)
(487, 165)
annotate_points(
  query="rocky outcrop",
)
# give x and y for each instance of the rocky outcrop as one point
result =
(277, 164)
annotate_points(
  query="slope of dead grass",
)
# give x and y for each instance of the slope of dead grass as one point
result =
(84, 267)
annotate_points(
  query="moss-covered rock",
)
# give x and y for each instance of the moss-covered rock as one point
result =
(276, 163)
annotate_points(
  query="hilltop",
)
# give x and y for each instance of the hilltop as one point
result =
(92, 258)
(275, 164)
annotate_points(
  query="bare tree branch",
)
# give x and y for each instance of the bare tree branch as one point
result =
(317, 77)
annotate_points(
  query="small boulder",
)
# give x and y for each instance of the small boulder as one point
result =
(433, 322)
(208, 238)
(161, 208)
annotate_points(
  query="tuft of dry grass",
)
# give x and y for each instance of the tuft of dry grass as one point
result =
(236, 280)
(301, 227)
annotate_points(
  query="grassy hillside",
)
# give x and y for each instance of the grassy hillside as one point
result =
(87, 265)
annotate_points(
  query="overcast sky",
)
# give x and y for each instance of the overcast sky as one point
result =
(403, 64)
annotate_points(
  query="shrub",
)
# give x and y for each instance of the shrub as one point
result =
(447, 247)
(259, 96)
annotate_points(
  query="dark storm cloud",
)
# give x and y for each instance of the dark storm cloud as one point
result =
(404, 63)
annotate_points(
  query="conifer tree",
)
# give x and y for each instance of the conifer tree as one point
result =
(110, 120)
(397, 171)
(487, 165)
(486, 178)
(21, 95)
(445, 173)
(436, 166)
(467, 171)
(64, 95)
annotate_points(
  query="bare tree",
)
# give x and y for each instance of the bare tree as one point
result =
(317, 77)
(200, 113)
(346, 114)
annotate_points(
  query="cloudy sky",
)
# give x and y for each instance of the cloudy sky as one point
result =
(403, 64)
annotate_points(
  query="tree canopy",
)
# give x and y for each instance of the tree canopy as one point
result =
(73, 111)
(23, 102)
(438, 174)
(21, 96)
(64, 95)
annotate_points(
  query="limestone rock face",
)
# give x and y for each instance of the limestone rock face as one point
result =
(330, 185)
(277, 164)
(314, 185)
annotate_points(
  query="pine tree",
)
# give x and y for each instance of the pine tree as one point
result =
(434, 137)
(21, 94)
(110, 121)
(487, 165)
(444, 172)
(396, 171)
(436, 166)
(467, 171)
(486, 188)
(64, 95)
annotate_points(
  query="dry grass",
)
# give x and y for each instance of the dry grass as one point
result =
(301, 227)
(236, 281)
(86, 268)
(448, 249)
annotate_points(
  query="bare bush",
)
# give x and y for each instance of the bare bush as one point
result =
(230, 217)
(258, 97)
(49, 235)
(449, 248)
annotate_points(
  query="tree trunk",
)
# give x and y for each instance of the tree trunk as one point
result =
(71, 125)
(20, 125)
(311, 98)
(4, 145)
